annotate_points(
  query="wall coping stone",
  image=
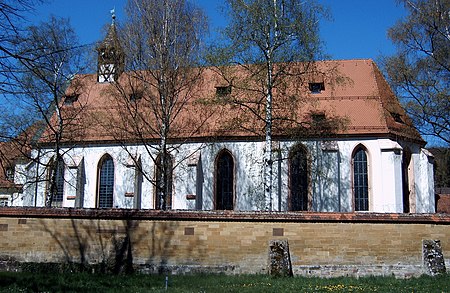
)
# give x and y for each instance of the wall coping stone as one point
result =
(230, 216)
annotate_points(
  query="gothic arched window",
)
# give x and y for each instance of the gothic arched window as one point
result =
(406, 161)
(163, 196)
(360, 179)
(105, 182)
(298, 179)
(224, 197)
(56, 182)
(59, 180)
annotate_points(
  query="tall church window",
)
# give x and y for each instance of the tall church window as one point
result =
(360, 180)
(59, 180)
(138, 177)
(55, 187)
(105, 182)
(224, 187)
(406, 160)
(163, 191)
(10, 173)
(298, 179)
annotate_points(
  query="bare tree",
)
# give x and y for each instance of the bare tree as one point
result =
(12, 19)
(420, 70)
(266, 38)
(12, 24)
(49, 59)
(162, 44)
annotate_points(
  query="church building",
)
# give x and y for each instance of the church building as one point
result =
(341, 143)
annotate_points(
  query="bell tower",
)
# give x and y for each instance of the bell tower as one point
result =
(111, 59)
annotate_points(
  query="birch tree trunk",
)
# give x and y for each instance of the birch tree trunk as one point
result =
(262, 33)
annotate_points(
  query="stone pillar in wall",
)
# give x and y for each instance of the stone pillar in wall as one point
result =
(279, 258)
(433, 259)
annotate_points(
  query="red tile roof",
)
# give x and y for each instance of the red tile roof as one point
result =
(14, 151)
(355, 92)
(9, 153)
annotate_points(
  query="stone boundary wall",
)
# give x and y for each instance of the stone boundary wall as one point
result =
(149, 241)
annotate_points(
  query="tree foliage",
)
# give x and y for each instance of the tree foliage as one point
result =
(420, 70)
(275, 30)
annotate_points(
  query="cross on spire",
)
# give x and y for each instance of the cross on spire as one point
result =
(113, 15)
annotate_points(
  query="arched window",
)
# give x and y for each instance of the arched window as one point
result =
(224, 196)
(360, 179)
(55, 179)
(298, 179)
(105, 182)
(59, 181)
(163, 196)
(138, 177)
(406, 160)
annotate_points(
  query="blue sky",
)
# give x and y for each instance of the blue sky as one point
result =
(358, 29)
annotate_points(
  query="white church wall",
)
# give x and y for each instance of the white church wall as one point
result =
(324, 164)
(34, 189)
(248, 174)
(424, 184)
(345, 194)
(194, 176)
(20, 178)
(327, 199)
(70, 184)
(384, 174)
(92, 157)
(387, 177)
(29, 187)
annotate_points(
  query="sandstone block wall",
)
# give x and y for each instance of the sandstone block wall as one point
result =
(180, 242)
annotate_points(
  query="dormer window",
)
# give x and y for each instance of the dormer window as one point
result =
(316, 87)
(223, 91)
(397, 117)
(318, 118)
(10, 174)
(135, 96)
(70, 99)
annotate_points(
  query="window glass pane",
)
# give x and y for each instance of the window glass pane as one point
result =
(106, 183)
(299, 180)
(60, 167)
(360, 181)
(224, 182)
(162, 203)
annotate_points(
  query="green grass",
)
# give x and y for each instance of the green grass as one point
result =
(83, 282)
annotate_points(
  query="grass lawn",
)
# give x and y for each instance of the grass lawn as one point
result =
(82, 282)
